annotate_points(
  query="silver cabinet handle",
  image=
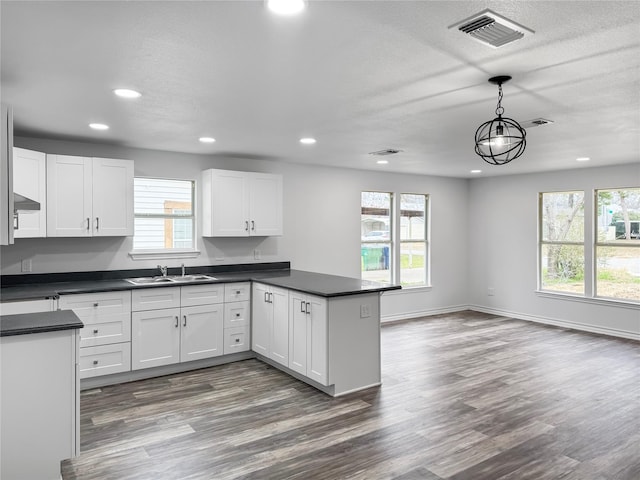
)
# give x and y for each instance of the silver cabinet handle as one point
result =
(270, 297)
(266, 297)
(97, 223)
(95, 362)
(308, 308)
(88, 223)
(237, 340)
(246, 225)
(302, 310)
(237, 292)
(237, 315)
(95, 330)
(253, 225)
(96, 304)
(16, 221)
(177, 321)
(185, 320)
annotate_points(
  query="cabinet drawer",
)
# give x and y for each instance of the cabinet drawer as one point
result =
(105, 359)
(98, 307)
(236, 339)
(155, 298)
(202, 294)
(237, 292)
(236, 314)
(115, 329)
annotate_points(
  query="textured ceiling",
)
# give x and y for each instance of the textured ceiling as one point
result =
(358, 76)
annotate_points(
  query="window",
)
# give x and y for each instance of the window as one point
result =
(607, 266)
(617, 255)
(381, 243)
(413, 239)
(375, 231)
(164, 215)
(562, 242)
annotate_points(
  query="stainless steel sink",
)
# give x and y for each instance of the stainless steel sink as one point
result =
(168, 280)
(190, 278)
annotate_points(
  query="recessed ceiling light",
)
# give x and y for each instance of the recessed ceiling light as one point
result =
(583, 159)
(382, 162)
(207, 139)
(126, 93)
(308, 141)
(99, 126)
(476, 171)
(286, 7)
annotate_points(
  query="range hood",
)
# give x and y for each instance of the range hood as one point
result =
(22, 203)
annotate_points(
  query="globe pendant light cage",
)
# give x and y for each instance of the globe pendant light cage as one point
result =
(502, 139)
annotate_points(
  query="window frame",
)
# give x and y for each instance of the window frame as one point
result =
(163, 253)
(590, 246)
(426, 241)
(395, 241)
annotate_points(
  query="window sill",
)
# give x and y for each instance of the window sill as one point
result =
(408, 289)
(162, 254)
(610, 302)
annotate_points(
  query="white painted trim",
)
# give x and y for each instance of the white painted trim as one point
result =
(559, 323)
(422, 313)
(162, 254)
(609, 302)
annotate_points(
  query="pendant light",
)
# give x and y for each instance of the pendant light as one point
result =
(502, 139)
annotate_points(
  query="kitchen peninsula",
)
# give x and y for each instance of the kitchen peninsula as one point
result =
(322, 329)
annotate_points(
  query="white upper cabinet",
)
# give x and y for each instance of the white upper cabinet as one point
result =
(241, 204)
(29, 180)
(89, 196)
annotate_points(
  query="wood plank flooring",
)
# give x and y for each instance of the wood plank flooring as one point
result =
(465, 396)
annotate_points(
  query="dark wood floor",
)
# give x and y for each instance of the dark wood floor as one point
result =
(465, 396)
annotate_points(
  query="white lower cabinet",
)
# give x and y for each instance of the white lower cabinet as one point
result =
(270, 322)
(308, 336)
(105, 339)
(184, 332)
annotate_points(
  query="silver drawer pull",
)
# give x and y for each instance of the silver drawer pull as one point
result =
(237, 315)
(237, 292)
(95, 362)
(96, 304)
(237, 340)
(95, 330)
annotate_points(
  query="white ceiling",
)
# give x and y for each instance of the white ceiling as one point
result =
(359, 76)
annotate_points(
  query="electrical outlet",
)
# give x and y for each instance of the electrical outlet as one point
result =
(491, 291)
(257, 255)
(365, 310)
(26, 265)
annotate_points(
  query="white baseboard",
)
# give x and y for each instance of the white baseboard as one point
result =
(559, 323)
(422, 313)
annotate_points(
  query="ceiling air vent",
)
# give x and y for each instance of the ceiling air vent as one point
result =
(536, 122)
(492, 29)
(386, 151)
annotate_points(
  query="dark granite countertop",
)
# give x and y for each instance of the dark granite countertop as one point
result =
(27, 323)
(307, 282)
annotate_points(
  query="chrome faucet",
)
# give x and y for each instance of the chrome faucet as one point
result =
(183, 271)
(163, 270)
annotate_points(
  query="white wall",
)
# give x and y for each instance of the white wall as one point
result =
(321, 225)
(503, 249)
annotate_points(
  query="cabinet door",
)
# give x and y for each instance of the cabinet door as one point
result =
(225, 204)
(112, 197)
(265, 204)
(69, 196)
(279, 299)
(297, 333)
(29, 177)
(261, 319)
(155, 338)
(202, 332)
(317, 358)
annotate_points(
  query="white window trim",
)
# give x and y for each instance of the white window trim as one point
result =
(163, 254)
